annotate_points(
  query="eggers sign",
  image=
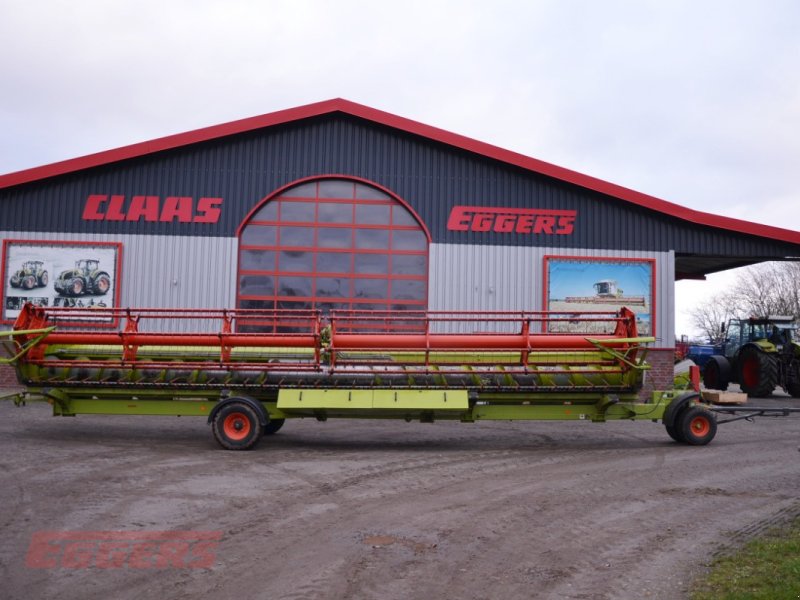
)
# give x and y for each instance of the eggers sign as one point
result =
(512, 220)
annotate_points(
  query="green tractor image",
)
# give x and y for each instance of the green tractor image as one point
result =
(85, 278)
(759, 354)
(31, 275)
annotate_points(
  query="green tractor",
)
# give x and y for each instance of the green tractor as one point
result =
(759, 354)
(85, 278)
(31, 275)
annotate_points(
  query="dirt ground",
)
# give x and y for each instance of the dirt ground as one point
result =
(388, 510)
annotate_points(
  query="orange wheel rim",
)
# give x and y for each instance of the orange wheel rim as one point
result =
(700, 426)
(236, 426)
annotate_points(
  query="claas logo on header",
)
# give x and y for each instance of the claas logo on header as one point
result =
(512, 220)
(183, 209)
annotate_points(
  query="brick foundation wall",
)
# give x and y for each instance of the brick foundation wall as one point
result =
(661, 375)
(8, 377)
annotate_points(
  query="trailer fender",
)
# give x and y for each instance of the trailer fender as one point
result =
(263, 416)
(677, 405)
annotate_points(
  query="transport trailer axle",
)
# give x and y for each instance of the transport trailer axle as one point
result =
(750, 413)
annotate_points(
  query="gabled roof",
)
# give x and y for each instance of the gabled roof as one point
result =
(413, 127)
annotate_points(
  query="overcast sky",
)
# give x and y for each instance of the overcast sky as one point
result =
(696, 102)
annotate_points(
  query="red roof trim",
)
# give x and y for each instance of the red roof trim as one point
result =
(407, 125)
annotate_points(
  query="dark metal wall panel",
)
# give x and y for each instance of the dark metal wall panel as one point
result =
(430, 176)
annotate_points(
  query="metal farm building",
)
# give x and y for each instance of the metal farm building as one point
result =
(338, 205)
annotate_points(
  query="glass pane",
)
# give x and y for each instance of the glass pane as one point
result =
(289, 260)
(327, 307)
(401, 216)
(297, 236)
(367, 192)
(259, 235)
(333, 262)
(295, 286)
(258, 260)
(333, 212)
(334, 237)
(257, 304)
(372, 214)
(377, 239)
(333, 287)
(257, 285)
(370, 288)
(333, 188)
(295, 305)
(403, 239)
(372, 263)
(408, 264)
(305, 190)
(408, 289)
(302, 212)
(268, 212)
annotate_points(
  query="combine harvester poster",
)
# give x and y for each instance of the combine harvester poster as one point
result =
(580, 285)
(59, 274)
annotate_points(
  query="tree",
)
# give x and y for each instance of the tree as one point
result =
(762, 290)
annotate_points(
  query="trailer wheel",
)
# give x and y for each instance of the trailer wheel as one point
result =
(273, 426)
(675, 433)
(697, 425)
(237, 427)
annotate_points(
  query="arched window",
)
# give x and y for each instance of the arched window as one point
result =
(333, 243)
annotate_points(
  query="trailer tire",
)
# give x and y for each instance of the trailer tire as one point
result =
(273, 426)
(237, 426)
(697, 425)
(717, 373)
(675, 433)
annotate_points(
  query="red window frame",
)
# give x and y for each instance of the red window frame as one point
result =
(383, 197)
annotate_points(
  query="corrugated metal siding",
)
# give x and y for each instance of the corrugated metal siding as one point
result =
(432, 177)
(165, 272)
(472, 277)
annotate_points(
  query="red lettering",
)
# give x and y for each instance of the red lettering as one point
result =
(92, 212)
(173, 554)
(505, 223)
(524, 224)
(43, 551)
(566, 225)
(78, 555)
(112, 555)
(544, 224)
(143, 206)
(115, 212)
(204, 555)
(540, 221)
(459, 219)
(177, 206)
(482, 222)
(208, 210)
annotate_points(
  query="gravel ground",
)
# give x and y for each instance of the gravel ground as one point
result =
(389, 510)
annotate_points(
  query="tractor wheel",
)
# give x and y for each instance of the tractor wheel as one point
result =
(28, 282)
(44, 279)
(793, 383)
(101, 284)
(758, 372)
(717, 373)
(697, 425)
(237, 426)
(273, 426)
(14, 285)
(75, 287)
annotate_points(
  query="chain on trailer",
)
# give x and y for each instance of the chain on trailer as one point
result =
(248, 371)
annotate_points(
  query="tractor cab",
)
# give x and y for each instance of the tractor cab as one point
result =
(776, 329)
(87, 265)
(606, 288)
(32, 265)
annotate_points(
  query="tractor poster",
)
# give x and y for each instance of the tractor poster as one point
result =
(60, 274)
(580, 285)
